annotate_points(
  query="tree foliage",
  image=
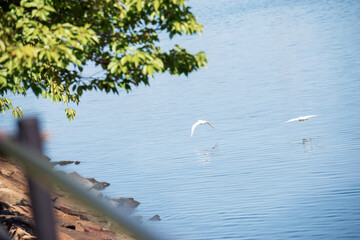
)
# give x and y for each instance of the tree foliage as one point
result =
(45, 45)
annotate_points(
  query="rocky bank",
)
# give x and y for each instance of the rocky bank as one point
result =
(73, 221)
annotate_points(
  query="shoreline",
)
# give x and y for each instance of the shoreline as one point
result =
(73, 221)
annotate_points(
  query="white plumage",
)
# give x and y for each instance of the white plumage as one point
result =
(199, 122)
(303, 118)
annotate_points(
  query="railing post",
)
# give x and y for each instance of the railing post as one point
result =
(29, 137)
(4, 235)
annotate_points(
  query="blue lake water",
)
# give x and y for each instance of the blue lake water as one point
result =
(252, 177)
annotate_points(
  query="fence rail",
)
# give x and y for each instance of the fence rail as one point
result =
(39, 169)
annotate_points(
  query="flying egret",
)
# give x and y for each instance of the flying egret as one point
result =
(199, 122)
(303, 118)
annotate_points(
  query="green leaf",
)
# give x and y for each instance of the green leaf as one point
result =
(49, 8)
(70, 113)
(156, 5)
(47, 52)
(2, 46)
(20, 112)
(139, 5)
(15, 114)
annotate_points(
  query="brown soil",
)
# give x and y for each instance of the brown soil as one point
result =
(73, 221)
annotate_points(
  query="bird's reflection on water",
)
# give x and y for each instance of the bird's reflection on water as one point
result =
(307, 144)
(310, 143)
(205, 155)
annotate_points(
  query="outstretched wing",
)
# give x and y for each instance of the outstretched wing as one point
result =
(193, 127)
(210, 124)
(292, 120)
(311, 116)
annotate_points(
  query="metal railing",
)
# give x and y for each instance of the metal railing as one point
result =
(42, 178)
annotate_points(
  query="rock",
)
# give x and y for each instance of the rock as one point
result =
(4, 206)
(13, 223)
(126, 205)
(20, 234)
(71, 212)
(68, 225)
(77, 162)
(7, 172)
(46, 157)
(62, 163)
(11, 173)
(80, 180)
(12, 197)
(126, 202)
(98, 185)
(70, 234)
(24, 211)
(155, 218)
(101, 232)
(12, 182)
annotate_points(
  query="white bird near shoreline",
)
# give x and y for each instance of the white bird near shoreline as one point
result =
(303, 118)
(199, 122)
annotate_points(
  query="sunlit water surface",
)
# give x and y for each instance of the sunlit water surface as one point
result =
(252, 177)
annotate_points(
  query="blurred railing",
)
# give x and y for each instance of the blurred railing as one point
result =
(27, 151)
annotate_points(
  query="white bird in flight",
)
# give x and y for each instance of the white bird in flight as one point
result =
(303, 118)
(199, 122)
